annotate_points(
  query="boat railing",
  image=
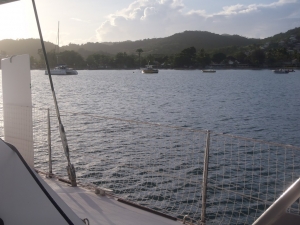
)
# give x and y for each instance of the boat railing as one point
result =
(197, 176)
(277, 213)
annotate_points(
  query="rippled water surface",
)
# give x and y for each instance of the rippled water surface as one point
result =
(161, 167)
(253, 103)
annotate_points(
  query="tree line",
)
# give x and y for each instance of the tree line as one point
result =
(188, 58)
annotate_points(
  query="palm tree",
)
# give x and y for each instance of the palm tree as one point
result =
(139, 51)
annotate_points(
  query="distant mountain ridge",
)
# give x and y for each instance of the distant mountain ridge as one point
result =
(23, 46)
(168, 45)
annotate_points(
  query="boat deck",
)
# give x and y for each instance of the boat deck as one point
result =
(103, 209)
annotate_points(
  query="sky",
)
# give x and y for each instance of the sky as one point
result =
(83, 21)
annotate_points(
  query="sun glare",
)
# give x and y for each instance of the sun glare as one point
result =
(14, 20)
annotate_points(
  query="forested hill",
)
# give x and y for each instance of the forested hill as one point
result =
(23, 46)
(168, 45)
(283, 36)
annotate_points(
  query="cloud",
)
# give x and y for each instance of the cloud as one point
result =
(148, 12)
(142, 19)
(242, 9)
(79, 20)
(160, 18)
(237, 9)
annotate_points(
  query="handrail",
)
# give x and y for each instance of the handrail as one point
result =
(277, 213)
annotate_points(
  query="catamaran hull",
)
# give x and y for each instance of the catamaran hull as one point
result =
(208, 71)
(62, 72)
(280, 72)
(149, 71)
(56, 72)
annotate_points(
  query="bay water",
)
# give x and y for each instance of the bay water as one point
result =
(251, 103)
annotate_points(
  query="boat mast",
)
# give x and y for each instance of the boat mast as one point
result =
(57, 44)
(70, 167)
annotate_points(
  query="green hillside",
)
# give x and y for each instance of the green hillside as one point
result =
(23, 46)
(168, 45)
(283, 36)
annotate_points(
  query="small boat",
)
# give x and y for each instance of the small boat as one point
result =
(208, 71)
(280, 71)
(149, 69)
(62, 70)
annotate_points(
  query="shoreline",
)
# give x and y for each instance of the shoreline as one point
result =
(185, 69)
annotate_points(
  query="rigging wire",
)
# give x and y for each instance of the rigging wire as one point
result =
(70, 167)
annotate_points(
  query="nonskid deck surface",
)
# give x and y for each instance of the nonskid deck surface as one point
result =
(104, 210)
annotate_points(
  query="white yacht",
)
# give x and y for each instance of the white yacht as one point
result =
(281, 71)
(62, 70)
(149, 69)
(208, 71)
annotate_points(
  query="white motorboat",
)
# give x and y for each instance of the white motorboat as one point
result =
(62, 70)
(281, 71)
(149, 69)
(208, 71)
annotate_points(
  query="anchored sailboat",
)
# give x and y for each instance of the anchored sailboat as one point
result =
(61, 69)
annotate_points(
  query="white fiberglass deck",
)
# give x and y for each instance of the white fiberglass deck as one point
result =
(104, 210)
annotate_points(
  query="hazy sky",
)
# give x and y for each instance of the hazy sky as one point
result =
(84, 21)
